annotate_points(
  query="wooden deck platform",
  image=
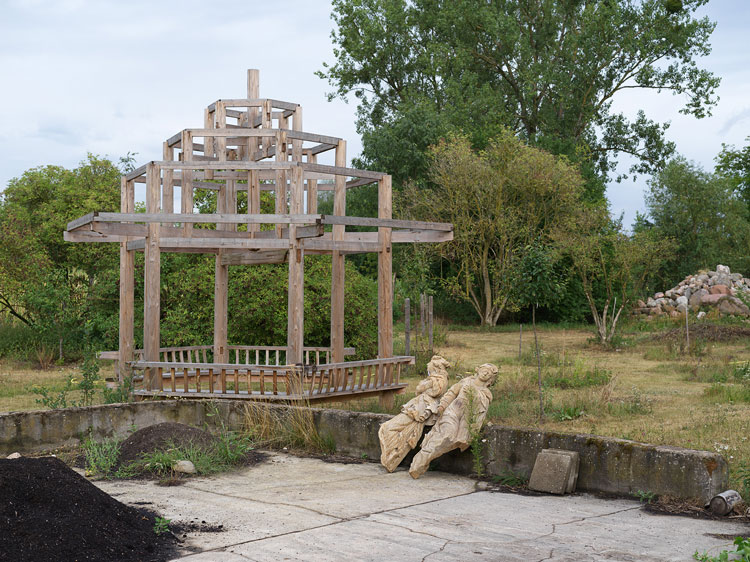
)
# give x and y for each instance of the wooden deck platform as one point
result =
(328, 382)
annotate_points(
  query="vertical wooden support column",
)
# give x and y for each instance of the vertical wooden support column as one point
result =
(337, 260)
(221, 276)
(152, 280)
(281, 156)
(312, 189)
(186, 191)
(296, 143)
(407, 326)
(296, 293)
(167, 196)
(127, 287)
(385, 285)
(208, 142)
(253, 181)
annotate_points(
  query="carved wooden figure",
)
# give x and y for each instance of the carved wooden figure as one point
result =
(462, 411)
(400, 434)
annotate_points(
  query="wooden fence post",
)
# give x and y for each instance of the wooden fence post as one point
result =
(407, 326)
(429, 322)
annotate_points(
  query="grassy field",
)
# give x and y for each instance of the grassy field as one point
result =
(648, 389)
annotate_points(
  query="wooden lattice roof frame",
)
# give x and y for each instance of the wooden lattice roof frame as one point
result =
(248, 144)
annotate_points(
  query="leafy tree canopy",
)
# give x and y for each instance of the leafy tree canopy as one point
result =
(500, 200)
(705, 216)
(547, 69)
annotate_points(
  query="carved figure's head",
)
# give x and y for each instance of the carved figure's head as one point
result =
(487, 373)
(437, 363)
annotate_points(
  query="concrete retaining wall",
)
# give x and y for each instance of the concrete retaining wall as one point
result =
(615, 466)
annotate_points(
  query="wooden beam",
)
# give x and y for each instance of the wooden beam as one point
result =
(337, 259)
(127, 290)
(208, 218)
(342, 171)
(186, 191)
(391, 223)
(152, 281)
(312, 188)
(385, 279)
(296, 293)
(254, 257)
(167, 196)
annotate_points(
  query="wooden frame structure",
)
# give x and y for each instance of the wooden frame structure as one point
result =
(248, 144)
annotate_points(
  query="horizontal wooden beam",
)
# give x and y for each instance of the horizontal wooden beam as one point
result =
(241, 102)
(388, 223)
(339, 171)
(208, 218)
(254, 257)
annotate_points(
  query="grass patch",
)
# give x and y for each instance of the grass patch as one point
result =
(578, 377)
(292, 427)
(728, 393)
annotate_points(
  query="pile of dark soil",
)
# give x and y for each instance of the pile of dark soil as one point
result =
(161, 436)
(708, 332)
(48, 512)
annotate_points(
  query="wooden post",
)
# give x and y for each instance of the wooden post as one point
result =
(337, 260)
(253, 181)
(167, 198)
(296, 292)
(224, 198)
(421, 313)
(520, 340)
(281, 156)
(186, 191)
(152, 279)
(312, 189)
(429, 322)
(385, 279)
(687, 331)
(208, 142)
(127, 288)
(407, 326)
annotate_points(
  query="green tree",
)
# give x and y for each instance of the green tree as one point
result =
(734, 164)
(538, 284)
(547, 69)
(499, 200)
(63, 291)
(613, 266)
(703, 213)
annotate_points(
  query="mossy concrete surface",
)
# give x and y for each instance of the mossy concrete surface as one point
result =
(614, 466)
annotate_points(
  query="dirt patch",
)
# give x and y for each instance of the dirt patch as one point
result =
(48, 512)
(708, 332)
(161, 436)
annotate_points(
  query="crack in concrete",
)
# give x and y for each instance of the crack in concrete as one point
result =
(268, 503)
(442, 548)
(556, 525)
(549, 556)
(340, 521)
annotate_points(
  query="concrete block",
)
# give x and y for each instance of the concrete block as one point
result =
(551, 472)
(575, 460)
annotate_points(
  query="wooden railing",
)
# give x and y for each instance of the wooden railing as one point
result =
(238, 354)
(270, 382)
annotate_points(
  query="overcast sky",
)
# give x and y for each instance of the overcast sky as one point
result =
(115, 77)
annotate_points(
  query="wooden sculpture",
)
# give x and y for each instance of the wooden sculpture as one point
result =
(400, 434)
(461, 412)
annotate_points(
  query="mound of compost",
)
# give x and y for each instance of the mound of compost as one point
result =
(48, 512)
(160, 437)
(709, 332)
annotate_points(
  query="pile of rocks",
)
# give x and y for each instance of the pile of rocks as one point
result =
(707, 290)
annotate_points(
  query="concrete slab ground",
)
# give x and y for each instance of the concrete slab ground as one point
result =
(292, 508)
